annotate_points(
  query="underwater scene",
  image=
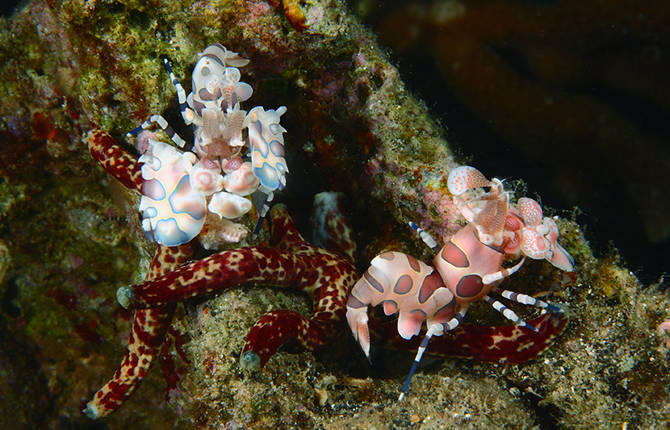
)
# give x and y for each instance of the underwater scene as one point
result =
(364, 214)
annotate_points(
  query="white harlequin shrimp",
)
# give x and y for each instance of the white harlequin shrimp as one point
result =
(212, 176)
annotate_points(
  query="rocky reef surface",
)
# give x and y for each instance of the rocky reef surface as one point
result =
(70, 237)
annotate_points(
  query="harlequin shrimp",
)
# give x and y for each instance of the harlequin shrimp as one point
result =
(466, 269)
(182, 186)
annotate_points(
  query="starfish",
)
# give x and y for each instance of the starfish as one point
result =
(327, 276)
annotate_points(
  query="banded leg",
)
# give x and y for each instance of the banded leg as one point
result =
(433, 330)
(187, 113)
(262, 203)
(501, 274)
(508, 313)
(163, 124)
(528, 300)
(426, 237)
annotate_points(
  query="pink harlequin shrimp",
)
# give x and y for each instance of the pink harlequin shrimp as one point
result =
(466, 269)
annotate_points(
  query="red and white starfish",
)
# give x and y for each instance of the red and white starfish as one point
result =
(291, 262)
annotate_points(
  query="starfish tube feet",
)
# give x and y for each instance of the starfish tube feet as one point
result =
(124, 295)
(250, 361)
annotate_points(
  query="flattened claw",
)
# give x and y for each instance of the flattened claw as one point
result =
(267, 147)
(534, 245)
(540, 241)
(226, 56)
(562, 259)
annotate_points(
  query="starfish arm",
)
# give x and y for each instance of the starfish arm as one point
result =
(218, 272)
(277, 327)
(304, 267)
(271, 331)
(331, 228)
(325, 276)
(114, 159)
(284, 233)
(505, 344)
(331, 284)
(144, 343)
